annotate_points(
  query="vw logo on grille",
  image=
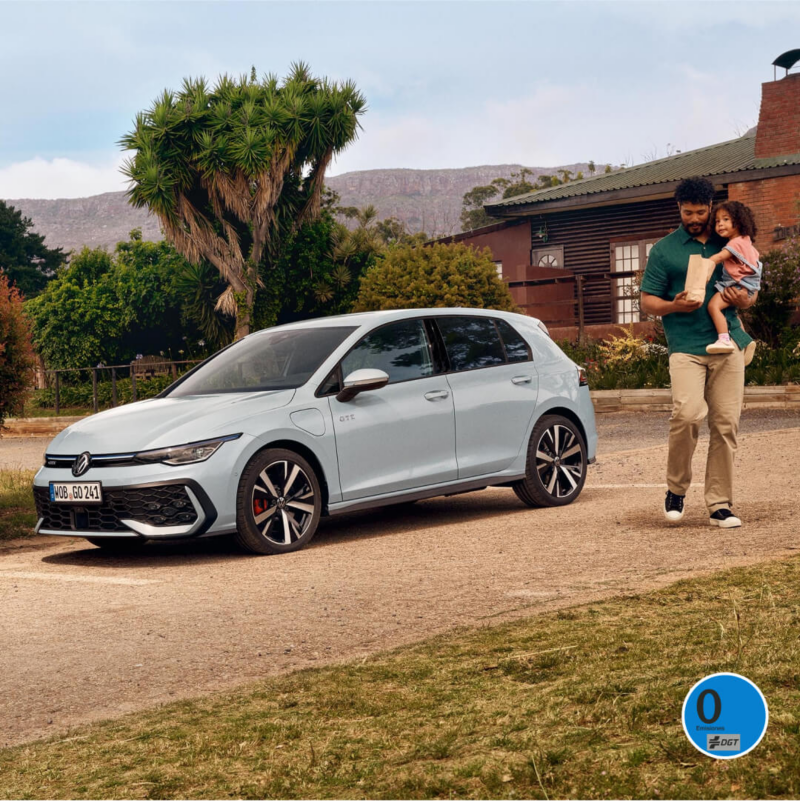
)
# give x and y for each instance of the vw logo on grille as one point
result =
(82, 464)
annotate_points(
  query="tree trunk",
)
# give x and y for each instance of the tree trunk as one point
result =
(244, 313)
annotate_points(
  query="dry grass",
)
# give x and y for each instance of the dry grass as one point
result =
(584, 703)
(17, 510)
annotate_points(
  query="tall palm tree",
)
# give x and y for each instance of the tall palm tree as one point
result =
(229, 170)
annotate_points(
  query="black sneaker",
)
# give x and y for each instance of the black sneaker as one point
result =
(673, 507)
(724, 518)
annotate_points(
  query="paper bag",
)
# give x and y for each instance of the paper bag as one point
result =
(697, 277)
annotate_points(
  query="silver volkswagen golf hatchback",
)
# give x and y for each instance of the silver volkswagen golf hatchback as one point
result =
(323, 417)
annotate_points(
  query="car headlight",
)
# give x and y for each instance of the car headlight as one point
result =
(185, 454)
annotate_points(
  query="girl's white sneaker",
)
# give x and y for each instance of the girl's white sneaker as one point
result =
(720, 346)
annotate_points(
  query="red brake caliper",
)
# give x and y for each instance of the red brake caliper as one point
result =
(259, 506)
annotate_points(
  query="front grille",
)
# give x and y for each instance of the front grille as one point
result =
(167, 505)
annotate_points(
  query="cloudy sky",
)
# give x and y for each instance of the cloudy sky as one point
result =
(448, 84)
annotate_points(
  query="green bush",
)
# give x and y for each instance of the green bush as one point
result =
(629, 362)
(409, 277)
(769, 320)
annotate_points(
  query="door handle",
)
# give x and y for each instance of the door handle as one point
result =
(521, 379)
(438, 394)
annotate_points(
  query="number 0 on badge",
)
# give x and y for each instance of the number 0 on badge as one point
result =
(725, 716)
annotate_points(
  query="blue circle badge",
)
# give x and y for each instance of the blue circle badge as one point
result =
(725, 715)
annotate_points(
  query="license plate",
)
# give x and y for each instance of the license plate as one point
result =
(82, 492)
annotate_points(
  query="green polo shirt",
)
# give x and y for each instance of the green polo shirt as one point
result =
(665, 277)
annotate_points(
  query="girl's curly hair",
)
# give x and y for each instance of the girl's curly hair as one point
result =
(741, 217)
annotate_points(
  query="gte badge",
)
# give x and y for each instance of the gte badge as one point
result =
(725, 716)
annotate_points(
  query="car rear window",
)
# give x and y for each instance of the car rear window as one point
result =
(471, 342)
(517, 348)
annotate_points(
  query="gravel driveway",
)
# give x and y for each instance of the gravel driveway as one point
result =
(87, 636)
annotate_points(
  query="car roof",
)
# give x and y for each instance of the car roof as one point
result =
(375, 318)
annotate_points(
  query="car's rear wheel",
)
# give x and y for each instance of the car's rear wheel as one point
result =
(118, 544)
(556, 465)
(279, 503)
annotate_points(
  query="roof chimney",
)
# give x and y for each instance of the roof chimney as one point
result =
(779, 119)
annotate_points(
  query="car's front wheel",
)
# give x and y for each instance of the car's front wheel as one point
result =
(556, 465)
(279, 503)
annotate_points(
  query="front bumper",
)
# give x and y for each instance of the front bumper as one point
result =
(157, 510)
(135, 497)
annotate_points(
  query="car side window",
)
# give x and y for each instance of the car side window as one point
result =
(471, 342)
(517, 349)
(401, 350)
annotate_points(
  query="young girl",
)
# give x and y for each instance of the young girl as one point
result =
(740, 265)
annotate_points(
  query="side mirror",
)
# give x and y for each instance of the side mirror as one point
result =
(362, 381)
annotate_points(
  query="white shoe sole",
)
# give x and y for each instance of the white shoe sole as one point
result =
(716, 348)
(730, 522)
(673, 517)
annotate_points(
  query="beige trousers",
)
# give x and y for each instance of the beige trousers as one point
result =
(701, 385)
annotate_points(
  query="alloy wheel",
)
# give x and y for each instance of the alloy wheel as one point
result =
(559, 461)
(282, 502)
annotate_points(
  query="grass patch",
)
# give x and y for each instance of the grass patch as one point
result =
(585, 704)
(17, 509)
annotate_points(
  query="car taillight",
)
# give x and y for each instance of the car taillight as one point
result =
(583, 381)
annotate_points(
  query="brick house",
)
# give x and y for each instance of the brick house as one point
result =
(587, 239)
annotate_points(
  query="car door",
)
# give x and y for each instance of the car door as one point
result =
(402, 436)
(494, 387)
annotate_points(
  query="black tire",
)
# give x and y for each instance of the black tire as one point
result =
(118, 544)
(556, 465)
(268, 520)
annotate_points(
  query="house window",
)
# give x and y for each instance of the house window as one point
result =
(498, 265)
(548, 257)
(628, 257)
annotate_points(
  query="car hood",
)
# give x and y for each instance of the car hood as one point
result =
(161, 422)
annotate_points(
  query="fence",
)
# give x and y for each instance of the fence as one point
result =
(577, 304)
(136, 369)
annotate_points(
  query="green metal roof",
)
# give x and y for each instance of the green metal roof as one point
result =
(725, 157)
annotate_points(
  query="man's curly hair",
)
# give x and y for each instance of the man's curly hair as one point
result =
(741, 217)
(695, 190)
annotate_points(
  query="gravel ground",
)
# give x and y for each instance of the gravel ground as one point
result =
(88, 636)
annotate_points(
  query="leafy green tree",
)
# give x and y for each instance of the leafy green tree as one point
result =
(592, 167)
(438, 275)
(473, 215)
(107, 308)
(16, 353)
(608, 169)
(27, 262)
(232, 170)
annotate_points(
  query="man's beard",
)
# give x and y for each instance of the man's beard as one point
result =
(696, 228)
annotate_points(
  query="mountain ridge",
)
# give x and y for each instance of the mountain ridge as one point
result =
(425, 200)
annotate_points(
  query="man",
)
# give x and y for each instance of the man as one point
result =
(701, 383)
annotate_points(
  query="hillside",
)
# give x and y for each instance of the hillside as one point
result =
(425, 200)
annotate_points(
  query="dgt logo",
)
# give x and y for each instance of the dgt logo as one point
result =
(724, 742)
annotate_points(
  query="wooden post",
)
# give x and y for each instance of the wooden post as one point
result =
(133, 384)
(174, 371)
(94, 389)
(58, 393)
(581, 332)
(113, 387)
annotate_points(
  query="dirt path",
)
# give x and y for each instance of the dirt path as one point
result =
(87, 636)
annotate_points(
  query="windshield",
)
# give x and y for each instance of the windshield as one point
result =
(275, 359)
